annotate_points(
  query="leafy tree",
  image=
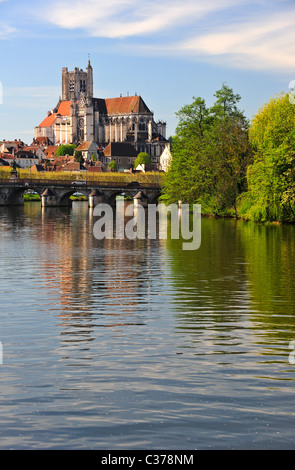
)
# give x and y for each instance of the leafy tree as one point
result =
(230, 144)
(112, 165)
(271, 177)
(226, 102)
(142, 158)
(193, 118)
(65, 149)
(210, 154)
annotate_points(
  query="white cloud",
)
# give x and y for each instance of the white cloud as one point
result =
(6, 30)
(256, 44)
(124, 18)
(252, 35)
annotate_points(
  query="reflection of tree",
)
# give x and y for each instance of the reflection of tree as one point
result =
(242, 273)
(211, 279)
(270, 266)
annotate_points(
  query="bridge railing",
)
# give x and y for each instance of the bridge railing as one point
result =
(76, 184)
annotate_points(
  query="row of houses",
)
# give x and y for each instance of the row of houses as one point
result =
(42, 154)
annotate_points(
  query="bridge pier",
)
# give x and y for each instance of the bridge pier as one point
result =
(11, 197)
(94, 198)
(140, 199)
(51, 199)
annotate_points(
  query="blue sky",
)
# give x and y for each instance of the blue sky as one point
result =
(166, 51)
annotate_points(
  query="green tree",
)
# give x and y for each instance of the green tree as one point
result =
(189, 174)
(232, 152)
(65, 149)
(210, 153)
(226, 103)
(142, 158)
(271, 177)
(193, 119)
(112, 165)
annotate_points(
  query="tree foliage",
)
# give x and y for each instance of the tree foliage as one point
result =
(271, 177)
(142, 158)
(112, 166)
(65, 149)
(210, 153)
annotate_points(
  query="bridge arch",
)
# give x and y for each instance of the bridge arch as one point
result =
(112, 196)
(32, 187)
(64, 196)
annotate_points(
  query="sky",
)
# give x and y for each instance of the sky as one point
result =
(168, 52)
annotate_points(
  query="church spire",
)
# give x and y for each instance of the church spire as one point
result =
(89, 65)
(89, 72)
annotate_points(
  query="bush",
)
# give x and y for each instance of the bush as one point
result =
(65, 149)
(142, 158)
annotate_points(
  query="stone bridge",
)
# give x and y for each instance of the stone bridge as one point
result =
(57, 192)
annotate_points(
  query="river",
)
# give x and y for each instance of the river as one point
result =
(139, 344)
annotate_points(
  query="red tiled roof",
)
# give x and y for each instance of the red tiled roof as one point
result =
(31, 148)
(64, 108)
(50, 151)
(41, 140)
(85, 145)
(72, 166)
(48, 121)
(126, 105)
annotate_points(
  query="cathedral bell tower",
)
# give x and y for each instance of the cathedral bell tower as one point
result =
(77, 83)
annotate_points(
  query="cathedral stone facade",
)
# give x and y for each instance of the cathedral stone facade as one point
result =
(79, 117)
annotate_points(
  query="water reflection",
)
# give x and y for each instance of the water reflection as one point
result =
(236, 292)
(94, 283)
(160, 347)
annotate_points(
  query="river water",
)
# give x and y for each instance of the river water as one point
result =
(138, 344)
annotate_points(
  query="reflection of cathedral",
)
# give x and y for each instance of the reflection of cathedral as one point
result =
(79, 117)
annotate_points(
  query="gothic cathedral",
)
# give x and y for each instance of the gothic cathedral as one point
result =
(79, 117)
